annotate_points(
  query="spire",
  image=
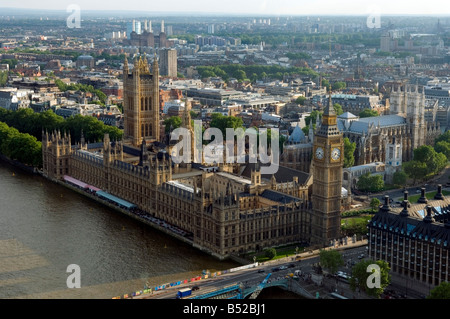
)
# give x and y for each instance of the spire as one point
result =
(329, 109)
(155, 62)
(125, 63)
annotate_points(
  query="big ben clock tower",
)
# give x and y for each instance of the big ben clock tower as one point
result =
(328, 160)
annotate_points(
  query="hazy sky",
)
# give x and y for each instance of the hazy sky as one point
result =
(261, 7)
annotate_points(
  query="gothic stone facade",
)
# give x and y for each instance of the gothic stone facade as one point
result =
(225, 213)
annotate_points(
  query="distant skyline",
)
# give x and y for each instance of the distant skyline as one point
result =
(247, 7)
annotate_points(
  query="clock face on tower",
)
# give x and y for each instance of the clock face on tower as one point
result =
(319, 153)
(335, 153)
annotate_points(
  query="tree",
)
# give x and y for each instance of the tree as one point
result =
(370, 183)
(325, 83)
(3, 78)
(331, 260)
(400, 178)
(222, 122)
(443, 137)
(312, 118)
(443, 147)
(415, 170)
(270, 253)
(354, 226)
(172, 123)
(338, 108)
(360, 277)
(349, 151)
(374, 203)
(338, 86)
(368, 113)
(300, 100)
(440, 292)
(430, 161)
(240, 75)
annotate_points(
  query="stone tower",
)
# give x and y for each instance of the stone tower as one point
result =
(141, 102)
(56, 151)
(409, 102)
(328, 161)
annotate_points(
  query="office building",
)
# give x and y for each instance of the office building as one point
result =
(168, 62)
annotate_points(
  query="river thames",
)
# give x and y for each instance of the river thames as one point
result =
(45, 227)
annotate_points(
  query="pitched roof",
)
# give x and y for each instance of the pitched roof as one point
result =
(283, 174)
(297, 135)
(348, 115)
(362, 125)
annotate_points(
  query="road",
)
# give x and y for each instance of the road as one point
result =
(254, 276)
(430, 185)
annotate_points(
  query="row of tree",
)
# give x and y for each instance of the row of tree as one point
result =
(252, 72)
(20, 146)
(426, 163)
(30, 122)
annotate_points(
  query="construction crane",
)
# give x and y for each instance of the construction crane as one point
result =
(260, 287)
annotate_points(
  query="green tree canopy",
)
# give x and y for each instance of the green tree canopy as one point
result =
(349, 151)
(338, 86)
(443, 137)
(222, 122)
(28, 121)
(426, 162)
(312, 118)
(172, 123)
(331, 260)
(354, 226)
(443, 147)
(300, 100)
(370, 183)
(20, 146)
(3, 78)
(360, 277)
(374, 203)
(400, 178)
(368, 113)
(440, 292)
(338, 109)
(415, 170)
(270, 253)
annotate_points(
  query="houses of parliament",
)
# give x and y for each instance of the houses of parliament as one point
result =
(225, 209)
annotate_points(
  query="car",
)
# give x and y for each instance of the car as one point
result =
(275, 269)
(283, 267)
(291, 265)
(261, 270)
(195, 288)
